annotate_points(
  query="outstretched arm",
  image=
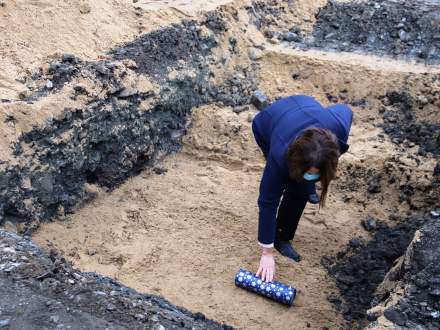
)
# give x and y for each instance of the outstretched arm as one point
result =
(271, 188)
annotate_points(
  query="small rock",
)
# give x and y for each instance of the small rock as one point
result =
(70, 281)
(369, 224)
(435, 214)
(259, 100)
(9, 250)
(22, 95)
(423, 100)
(396, 316)
(4, 323)
(240, 109)
(55, 319)
(176, 134)
(435, 292)
(158, 326)
(49, 84)
(291, 37)
(355, 243)
(140, 317)
(295, 29)
(372, 317)
(110, 307)
(160, 170)
(274, 41)
(130, 64)
(404, 36)
(91, 251)
(435, 314)
(127, 92)
(102, 69)
(80, 89)
(255, 54)
(68, 57)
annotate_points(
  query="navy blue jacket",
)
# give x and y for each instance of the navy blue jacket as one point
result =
(275, 128)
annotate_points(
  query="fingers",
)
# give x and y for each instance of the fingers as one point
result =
(263, 276)
(259, 271)
(270, 275)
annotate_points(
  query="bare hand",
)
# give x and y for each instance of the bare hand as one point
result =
(267, 266)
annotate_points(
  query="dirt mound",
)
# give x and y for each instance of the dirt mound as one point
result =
(397, 28)
(401, 120)
(419, 273)
(401, 29)
(362, 266)
(121, 120)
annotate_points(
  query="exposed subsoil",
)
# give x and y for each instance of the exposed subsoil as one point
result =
(41, 290)
(86, 134)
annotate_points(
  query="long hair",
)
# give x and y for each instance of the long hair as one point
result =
(315, 147)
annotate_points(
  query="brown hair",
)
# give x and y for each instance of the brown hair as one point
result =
(315, 147)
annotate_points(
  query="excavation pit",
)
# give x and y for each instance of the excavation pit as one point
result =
(139, 162)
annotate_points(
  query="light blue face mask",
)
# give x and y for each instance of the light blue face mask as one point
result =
(311, 177)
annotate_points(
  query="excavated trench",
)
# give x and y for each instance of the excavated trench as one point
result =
(150, 173)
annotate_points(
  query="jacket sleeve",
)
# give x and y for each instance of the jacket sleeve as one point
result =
(344, 116)
(272, 186)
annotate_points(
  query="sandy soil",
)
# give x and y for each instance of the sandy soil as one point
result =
(185, 233)
(33, 31)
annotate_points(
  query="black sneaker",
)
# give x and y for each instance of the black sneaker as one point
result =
(286, 249)
(314, 199)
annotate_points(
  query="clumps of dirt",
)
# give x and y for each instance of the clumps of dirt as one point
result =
(43, 290)
(400, 122)
(398, 28)
(102, 143)
(154, 54)
(401, 29)
(362, 266)
(265, 13)
(419, 275)
(127, 121)
(215, 21)
(238, 87)
(159, 51)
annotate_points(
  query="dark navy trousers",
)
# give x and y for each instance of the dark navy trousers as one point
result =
(293, 202)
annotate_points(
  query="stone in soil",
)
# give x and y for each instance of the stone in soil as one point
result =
(259, 100)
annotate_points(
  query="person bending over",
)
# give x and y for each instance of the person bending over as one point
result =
(302, 142)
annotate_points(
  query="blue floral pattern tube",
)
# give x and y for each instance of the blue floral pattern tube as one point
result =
(274, 290)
